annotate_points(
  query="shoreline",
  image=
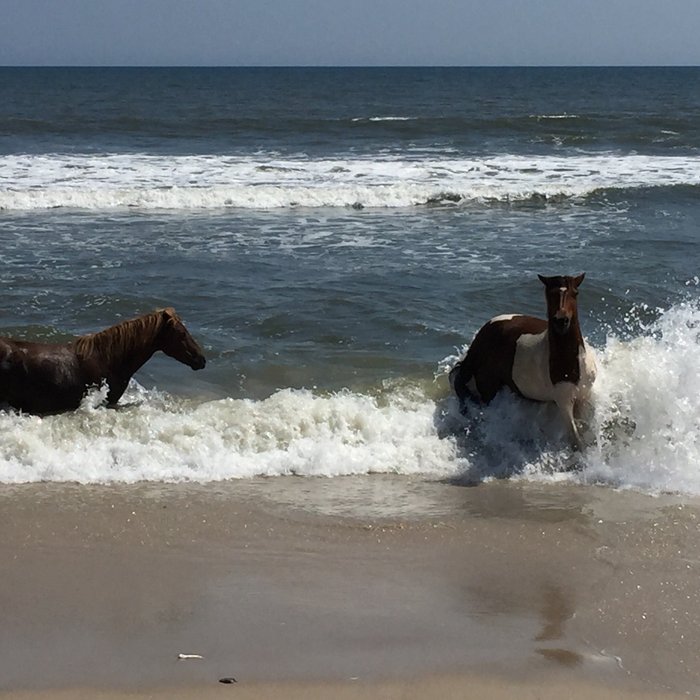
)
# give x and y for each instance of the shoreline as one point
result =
(428, 589)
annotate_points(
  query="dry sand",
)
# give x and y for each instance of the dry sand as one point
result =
(347, 588)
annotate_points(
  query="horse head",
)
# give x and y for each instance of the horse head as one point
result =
(561, 293)
(176, 342)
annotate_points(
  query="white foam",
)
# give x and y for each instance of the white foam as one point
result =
(292, 432)
(645, 433)
(383, 119)
(264, 181)
(648, 407)
(555, 116)
(645, 429)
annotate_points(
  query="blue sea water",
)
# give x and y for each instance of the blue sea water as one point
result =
(334, 237)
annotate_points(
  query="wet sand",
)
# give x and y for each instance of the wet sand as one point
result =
(348, 587)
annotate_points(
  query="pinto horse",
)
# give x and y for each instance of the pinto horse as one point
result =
(537, 359)
(47, 378)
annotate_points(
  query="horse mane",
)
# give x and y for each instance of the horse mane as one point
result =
(114, 342)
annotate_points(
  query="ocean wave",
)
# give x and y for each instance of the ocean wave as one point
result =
(648, 407)
(115, 181)
(383, 119)
(643, 433)
(158, 438)
(541, 117)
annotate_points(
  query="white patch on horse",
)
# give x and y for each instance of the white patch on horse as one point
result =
(531, 367)
(587, 368)
(504, 317)
(531, 375)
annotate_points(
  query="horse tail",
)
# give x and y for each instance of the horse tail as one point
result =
(459, 377)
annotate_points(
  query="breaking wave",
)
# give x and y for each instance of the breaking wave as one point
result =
(202, 182)
(644, 433)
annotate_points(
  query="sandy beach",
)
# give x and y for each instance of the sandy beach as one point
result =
(333, 238)
(355, 587)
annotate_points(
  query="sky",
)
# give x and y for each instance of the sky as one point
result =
(349, 32)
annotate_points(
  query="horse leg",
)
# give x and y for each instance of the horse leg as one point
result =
(566, 404)
(487, 384)
(116, 388)
(578, 440)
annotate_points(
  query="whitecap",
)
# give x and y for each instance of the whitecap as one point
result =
(644, 432)
(205, 182)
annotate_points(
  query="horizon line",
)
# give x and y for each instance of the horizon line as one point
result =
(352, 66)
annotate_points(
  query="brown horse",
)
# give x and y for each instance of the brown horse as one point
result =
(50, 378)
(541, 360)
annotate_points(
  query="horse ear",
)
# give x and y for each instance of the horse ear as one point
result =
(543, 279)
(169, 314)
(579, 279)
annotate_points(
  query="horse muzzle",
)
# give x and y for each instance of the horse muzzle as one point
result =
(198, 362)
(561, 324)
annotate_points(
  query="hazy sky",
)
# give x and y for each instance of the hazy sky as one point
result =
(349, 32)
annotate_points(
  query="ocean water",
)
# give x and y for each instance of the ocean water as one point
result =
(334, 238)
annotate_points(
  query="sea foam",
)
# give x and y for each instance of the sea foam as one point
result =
(204, 182)
(642, 435)
(158, 438)
(648, 407)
